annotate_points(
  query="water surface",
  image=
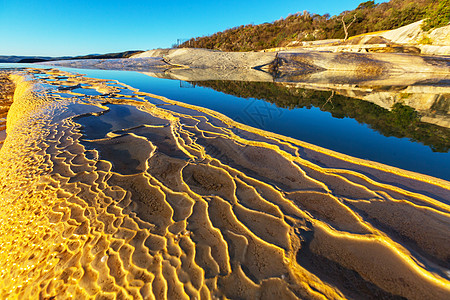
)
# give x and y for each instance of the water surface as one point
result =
(312, 123)
(309, 124)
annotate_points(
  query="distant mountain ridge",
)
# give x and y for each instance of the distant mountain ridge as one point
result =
(305, 26)
(15, 58)
(33, 59)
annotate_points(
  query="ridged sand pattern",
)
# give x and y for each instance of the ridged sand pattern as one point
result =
(111, 193)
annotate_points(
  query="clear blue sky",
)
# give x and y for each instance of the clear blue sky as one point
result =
(68, 27)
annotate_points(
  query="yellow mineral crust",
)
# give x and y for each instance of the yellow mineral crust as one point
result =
(6, 96)
(111, 193)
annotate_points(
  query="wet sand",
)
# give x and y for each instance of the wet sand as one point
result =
(109, 192)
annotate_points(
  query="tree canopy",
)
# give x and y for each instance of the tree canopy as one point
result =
(305, 26)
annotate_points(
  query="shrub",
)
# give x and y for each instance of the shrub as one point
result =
(425, 40)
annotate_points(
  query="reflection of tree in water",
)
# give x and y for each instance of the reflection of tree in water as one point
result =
(401, 121)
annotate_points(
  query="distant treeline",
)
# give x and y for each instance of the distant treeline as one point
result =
(401, 121)
(33, 59)
(304, 26)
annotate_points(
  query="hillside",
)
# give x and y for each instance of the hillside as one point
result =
(304, 26)
(33, 59)
(15, 59)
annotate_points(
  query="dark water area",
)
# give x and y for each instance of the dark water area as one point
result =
(311, 121)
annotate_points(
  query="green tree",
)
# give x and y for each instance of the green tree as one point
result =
(437, 15)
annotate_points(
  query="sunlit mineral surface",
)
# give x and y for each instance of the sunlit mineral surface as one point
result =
(112, 193)
(6, 97)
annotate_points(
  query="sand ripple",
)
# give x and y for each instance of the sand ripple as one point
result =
(108, 192)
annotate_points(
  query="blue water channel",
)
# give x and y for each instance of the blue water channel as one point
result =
(311, 125)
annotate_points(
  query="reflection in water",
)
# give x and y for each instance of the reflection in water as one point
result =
(400, 121)
(315, 125)
(303, 113)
